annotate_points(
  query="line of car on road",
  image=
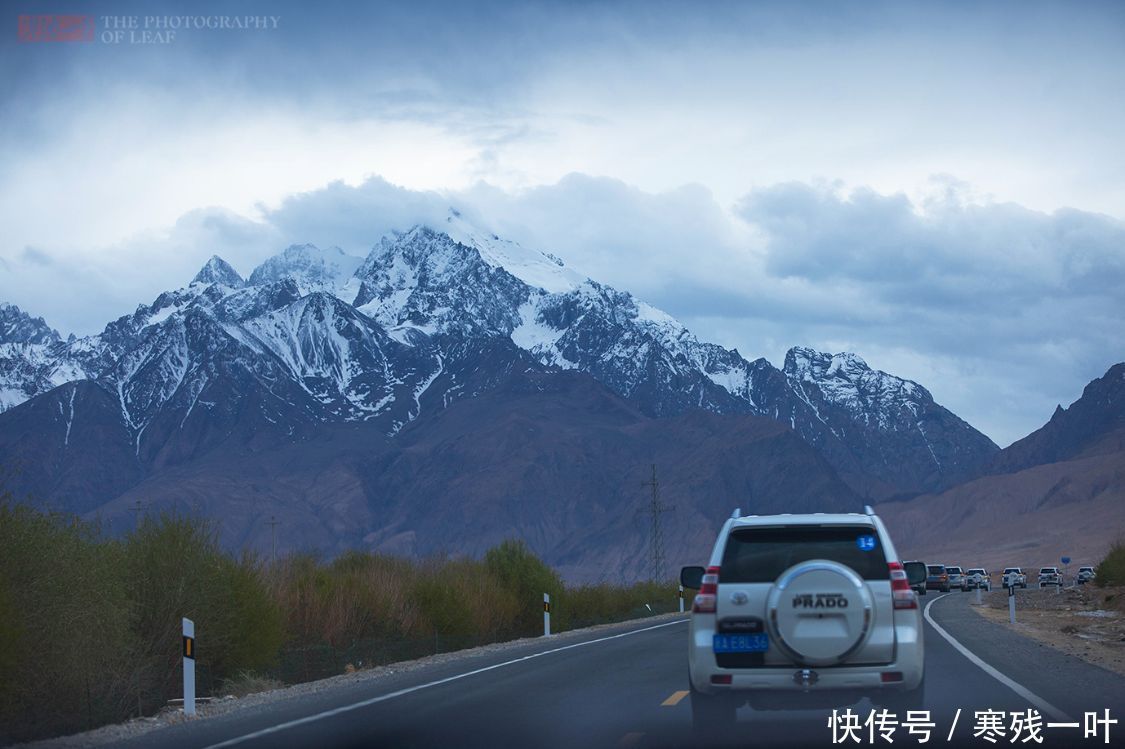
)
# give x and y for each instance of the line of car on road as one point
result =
(944, 578)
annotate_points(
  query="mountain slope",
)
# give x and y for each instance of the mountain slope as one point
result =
(1060, 491)
(29, 357)
(1093, 424)
(903, 442)
(907, 439)
(553, 458)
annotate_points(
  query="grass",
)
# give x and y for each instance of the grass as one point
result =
(248, 682)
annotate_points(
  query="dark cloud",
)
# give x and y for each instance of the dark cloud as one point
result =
(992, 256)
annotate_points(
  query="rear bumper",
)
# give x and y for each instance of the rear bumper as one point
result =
(845, 680)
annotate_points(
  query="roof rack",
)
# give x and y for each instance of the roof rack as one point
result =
(737, 513)
(867, 510)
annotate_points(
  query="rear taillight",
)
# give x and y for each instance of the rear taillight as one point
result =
(901, 593)
(706, 599)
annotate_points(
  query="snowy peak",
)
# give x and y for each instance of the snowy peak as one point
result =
(217, 270)
(808, 365)
(540, 270)
(312, 268)
(427, 280)
(846, 380)
(16, 326)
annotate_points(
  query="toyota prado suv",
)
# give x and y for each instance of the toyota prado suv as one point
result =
(802, 612)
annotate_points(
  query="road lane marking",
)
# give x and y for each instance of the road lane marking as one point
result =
(390, 696)
(631, 739)
(675, 698)
(1015, 686)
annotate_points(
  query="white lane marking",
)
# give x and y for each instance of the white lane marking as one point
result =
(408, 690)
(1015, 686)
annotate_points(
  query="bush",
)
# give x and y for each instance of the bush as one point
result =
(90, 627)
(527, 578)
(175, 569)
(1111, 570)
(64, 626)
(600, 604)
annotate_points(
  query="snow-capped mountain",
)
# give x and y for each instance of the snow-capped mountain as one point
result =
(891, 425)
(312, 268)
(436, 314)
(218, 271)
(31, 360)
(16, 326)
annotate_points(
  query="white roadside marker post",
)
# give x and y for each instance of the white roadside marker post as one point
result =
(546, 614)
(1011, 604)
(189, 667)
(681, 599)
(978, 595)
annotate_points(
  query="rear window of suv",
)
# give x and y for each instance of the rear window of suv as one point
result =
(760, 555)
(935, 569)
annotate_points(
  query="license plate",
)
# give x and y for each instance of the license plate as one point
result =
(759, 643)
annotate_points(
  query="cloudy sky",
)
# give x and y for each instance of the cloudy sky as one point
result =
(939, 187)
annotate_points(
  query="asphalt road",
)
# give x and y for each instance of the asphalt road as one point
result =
(627, 687)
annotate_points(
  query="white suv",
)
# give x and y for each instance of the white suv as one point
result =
(801, 612)
(1050, 576)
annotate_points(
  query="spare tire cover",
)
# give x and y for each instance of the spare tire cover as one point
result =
(819, 612)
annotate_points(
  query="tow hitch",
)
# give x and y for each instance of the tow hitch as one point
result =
(806, 677)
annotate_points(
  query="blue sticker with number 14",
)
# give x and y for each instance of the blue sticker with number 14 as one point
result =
(865, 543)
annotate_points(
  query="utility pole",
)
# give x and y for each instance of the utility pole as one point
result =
(655, 509)
(272, 523)
(137, 508)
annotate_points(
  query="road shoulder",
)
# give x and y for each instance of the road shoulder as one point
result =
(324, 691)
(1065, 681)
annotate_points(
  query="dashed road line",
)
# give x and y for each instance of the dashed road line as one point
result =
(675, 698)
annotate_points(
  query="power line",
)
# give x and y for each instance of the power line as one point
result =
(655, 510)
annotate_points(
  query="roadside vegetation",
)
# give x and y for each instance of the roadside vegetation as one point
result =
(90, 625)
(1111, 570)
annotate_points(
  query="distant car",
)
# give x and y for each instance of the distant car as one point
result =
(978, 577)
(1014, 578)
(937, 578)
(1050, 576)
(1085, 575)
(956, 577)
(920, 586)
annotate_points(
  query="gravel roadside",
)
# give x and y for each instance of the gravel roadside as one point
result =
(1085, 621)
(1071, 684)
